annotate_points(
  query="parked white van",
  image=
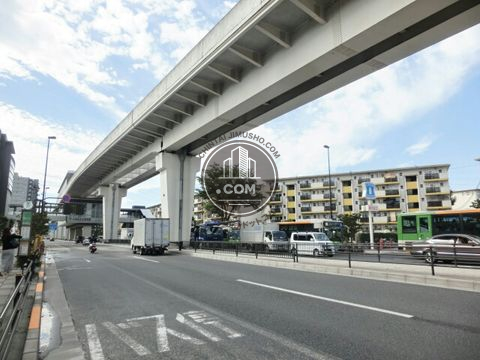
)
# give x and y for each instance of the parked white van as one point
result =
(311, 243)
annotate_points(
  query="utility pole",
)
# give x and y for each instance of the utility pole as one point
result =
(45, 173)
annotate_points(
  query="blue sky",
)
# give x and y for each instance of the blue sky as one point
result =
(73, 69)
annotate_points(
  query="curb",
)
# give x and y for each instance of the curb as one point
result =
(32, 344)
(413, 279)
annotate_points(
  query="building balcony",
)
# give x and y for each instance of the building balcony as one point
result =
(291, 204)
(305, 209)
(305, 197)
(439, 205)
(390, 180)
(276, 199)
(436, 190)
(395, 205)
(276, 209)
(434, 177)
(363, 179)
(380, 219)
(316, 186)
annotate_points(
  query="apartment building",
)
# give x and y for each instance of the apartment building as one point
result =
(400, 190)
(465, 198)
(7, 167)
(24, 189)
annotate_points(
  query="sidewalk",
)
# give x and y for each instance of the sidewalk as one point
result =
(446, 277)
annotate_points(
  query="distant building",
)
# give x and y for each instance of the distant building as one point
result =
(156, 210)
(398, 190)
(7, 168)
(464, 198)
(24, 189)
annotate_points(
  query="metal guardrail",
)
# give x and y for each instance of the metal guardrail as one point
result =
(11, 312)
(387, 252)
(237, 247)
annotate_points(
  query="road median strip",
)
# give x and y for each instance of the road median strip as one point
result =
(408, 274)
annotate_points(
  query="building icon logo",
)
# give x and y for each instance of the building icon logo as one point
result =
(239, 177)
(239, 165)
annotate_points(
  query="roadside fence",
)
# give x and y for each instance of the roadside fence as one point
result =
(411, 254)
(12, 311)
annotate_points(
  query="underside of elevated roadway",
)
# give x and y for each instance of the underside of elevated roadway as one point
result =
(263, 59)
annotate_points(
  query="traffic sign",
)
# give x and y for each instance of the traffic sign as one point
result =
(369, 191)
(28, 205)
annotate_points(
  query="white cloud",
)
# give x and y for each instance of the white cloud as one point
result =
(420, 147)
(73, 41)
(353, 119)
(29, 134)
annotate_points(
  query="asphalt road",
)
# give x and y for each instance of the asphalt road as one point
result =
(180, 307)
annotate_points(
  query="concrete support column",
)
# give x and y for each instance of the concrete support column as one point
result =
(112, 201)
(177, 185)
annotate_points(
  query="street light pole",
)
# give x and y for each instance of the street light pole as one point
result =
(329, 179)
(45, 173)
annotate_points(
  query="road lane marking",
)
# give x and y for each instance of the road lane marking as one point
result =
(328, 299)
(87, 260)
(279, 339)
(208, 319)
(185, 337)
(76, 268)
(130, 342)
(35, 317)
(141, 258)
(96, 352)
(182, 320)
(162, 339)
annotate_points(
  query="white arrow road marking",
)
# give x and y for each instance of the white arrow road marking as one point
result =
(328, 299)
(87, 260)
(181, 319)
(135, 346)
(96, 352)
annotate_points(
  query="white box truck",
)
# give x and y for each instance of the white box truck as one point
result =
(150, 236)
(264, 237)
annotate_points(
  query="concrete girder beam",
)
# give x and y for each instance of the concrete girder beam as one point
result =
(276, 34)
(312, 9)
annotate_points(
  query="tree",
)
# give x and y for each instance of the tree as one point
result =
(453, 199)
(475, 204)
(352, 223)
(220, 206)
(39, 224)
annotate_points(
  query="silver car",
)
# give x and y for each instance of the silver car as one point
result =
(448, 248)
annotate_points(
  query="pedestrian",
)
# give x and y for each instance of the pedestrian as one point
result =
(9, 246)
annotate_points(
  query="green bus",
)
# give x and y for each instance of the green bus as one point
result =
(423, 225)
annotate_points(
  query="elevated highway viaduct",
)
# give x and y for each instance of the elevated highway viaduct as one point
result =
(263, 59)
